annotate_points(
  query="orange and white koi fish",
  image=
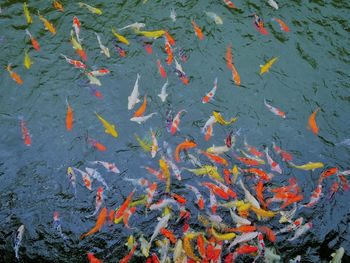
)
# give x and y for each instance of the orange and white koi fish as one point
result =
(154, 147)
(283, 26)
(252, 149)
(48, 25)
(199, 197)
(162, 204)
(161, 69)
(141, 111)
(315, 196)
(169, 52)
(169, 38)
(216, 190)
(209, 133)
(75, 63)
(213, 202)
(287, 157)
(168, 234)
(76, 26)
(312, 122)
(99, 146)
(344, 182)
(197, 30)
(86, 178)
(274, 110)
(120, 212)
(230, 4)
(35, 43)
(176, 122)
(99, 73)
(69, 117)
(110, 167)
(58, 5)
(92, 258)
(25, 133)
(14, 75)
(274, 166)
(99, 223)
(126, 216)
(215, 158)
(334, 188)
(271, 236)
(151, 191)
(292, 226)
(211, 93)
(183, 146)
(247, 161)
(163, 222)
(98, 201)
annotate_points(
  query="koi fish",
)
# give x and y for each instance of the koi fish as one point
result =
(265, 68)
(271, 236)
(169, 52)
(287, 157)
(235, 76)
(148, 47)
(111, 167)
(244, 250)
(243, 238)
(14, 75)
(58, 5)
(183, 146)
(48, 25)
(259, 173)
(151, 34)
(327, 173)
(103, 48)
(218, 149)
(27, 13)
(96, 175)
(301, 230)
(151, 191)
(126, 216)
(57, 225)
(161, 69)
(200, 200)
(247, 161)
(133, 98)
(92, 258)
(215, 158)
(230, 4)
(134, 26)
(99, 73)
(75, 63)
(273, 4)
(140, 112)
(274, 110)
(78, 48)
(307, 167)
(163, 222)
(163, 95)
(101, 219)
(72, 178)
(154, 147)
(239, 220)
(344, 182)
(211, 93)
(312, 122)
(169, 38)
(25, 132)
(292, 226)
(27, 62)
(120, 38)
(180, 72)
(337, 255)
(120, 212)
(217, 19)
(248, 196)
(98, 201)
(109, 128)
(99, 146)
(259, 25)
(93, 80)
(35, 43)
(173, 15)
(197, 30)
(92, 9)
(283, 26)
(221, 120)
(274, 166)
(86, 178)
(69, 117)
(315, 196)
(18, 240)
(120, 50)
(144, 144)
(142, 119)
(176, 122)
(76, 26)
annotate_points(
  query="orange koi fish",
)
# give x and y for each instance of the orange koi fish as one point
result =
(111, 216)
(25, 133)
(127, 258)
(35, 43)
(197, 30)
(168, 234)
(169, 52)
(312, 122)
(69, 117)
(271, 236)
(243, 229)
(287, 157)
(180, 199)
(96, 144)
(215, 158)
(235, 76)
(247, 161)
(208, 133)
(258, 172)
(176, 122)
(141, 111)
(334, 188)
(216, 190)
(169, 38)
(201, 246)
(260, 193)
(14, 75)
(292, 201)
(327, 173)
(161, 69)
(229, 57)
(92, 258)
(56, 4)
(99, 223)
(159, 174)
(183, 146)
(283, 26)
(119, 213)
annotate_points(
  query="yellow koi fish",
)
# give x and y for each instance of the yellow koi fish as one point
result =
(110, 128)
(218, 118)
(75, 43)
(27, 62)
(212, 171)
(48, 25)
(146, 146)
(235, 173)
(27, 13)
(265, 68)
(187, 247)
(151, 34)
(308, 166)
(120, 37)
(222, 237)
(165, 169)
(262, 212)
(92, 9)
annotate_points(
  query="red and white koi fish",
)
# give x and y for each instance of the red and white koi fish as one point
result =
(176, 122)
(315, 196)
(216, 190)
(213, 202)
(86, 178)
(57, 225)
(261, 244)
(159, 174)
(211, 93)
(96, 175)
(151, 191)
(98, 201)
(76, 26)
(199, 197)
(274, 110)
(292, 226)
(344, 182)
(274, 166)
(126, 216)
(287, 157)
(230, 4)
(283, 26)
(161, 69)
(169, 52)
(75, 63)
(154, 147)
(301, 230)
(99, 73)
(25, 132)
(35, 43)
(99, 146)
(111, 167)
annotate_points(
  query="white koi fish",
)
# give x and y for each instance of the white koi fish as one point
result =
(154, 147)
(301, 230)
(248, 196)
(93, 80)
(18, 239)
(243, 238)
(142, 119)
(135, 26)
(173, 14)
(103, 48)
(240, 221)
(163, 203)
(163, 222)
(133, 99)
(273, 4)
(217, 19)
(163, 95)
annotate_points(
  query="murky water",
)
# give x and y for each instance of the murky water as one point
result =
(312, 71)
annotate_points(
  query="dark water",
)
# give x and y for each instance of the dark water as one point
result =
(312, 71)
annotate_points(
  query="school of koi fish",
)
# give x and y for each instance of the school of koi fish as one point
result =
(241, 210)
